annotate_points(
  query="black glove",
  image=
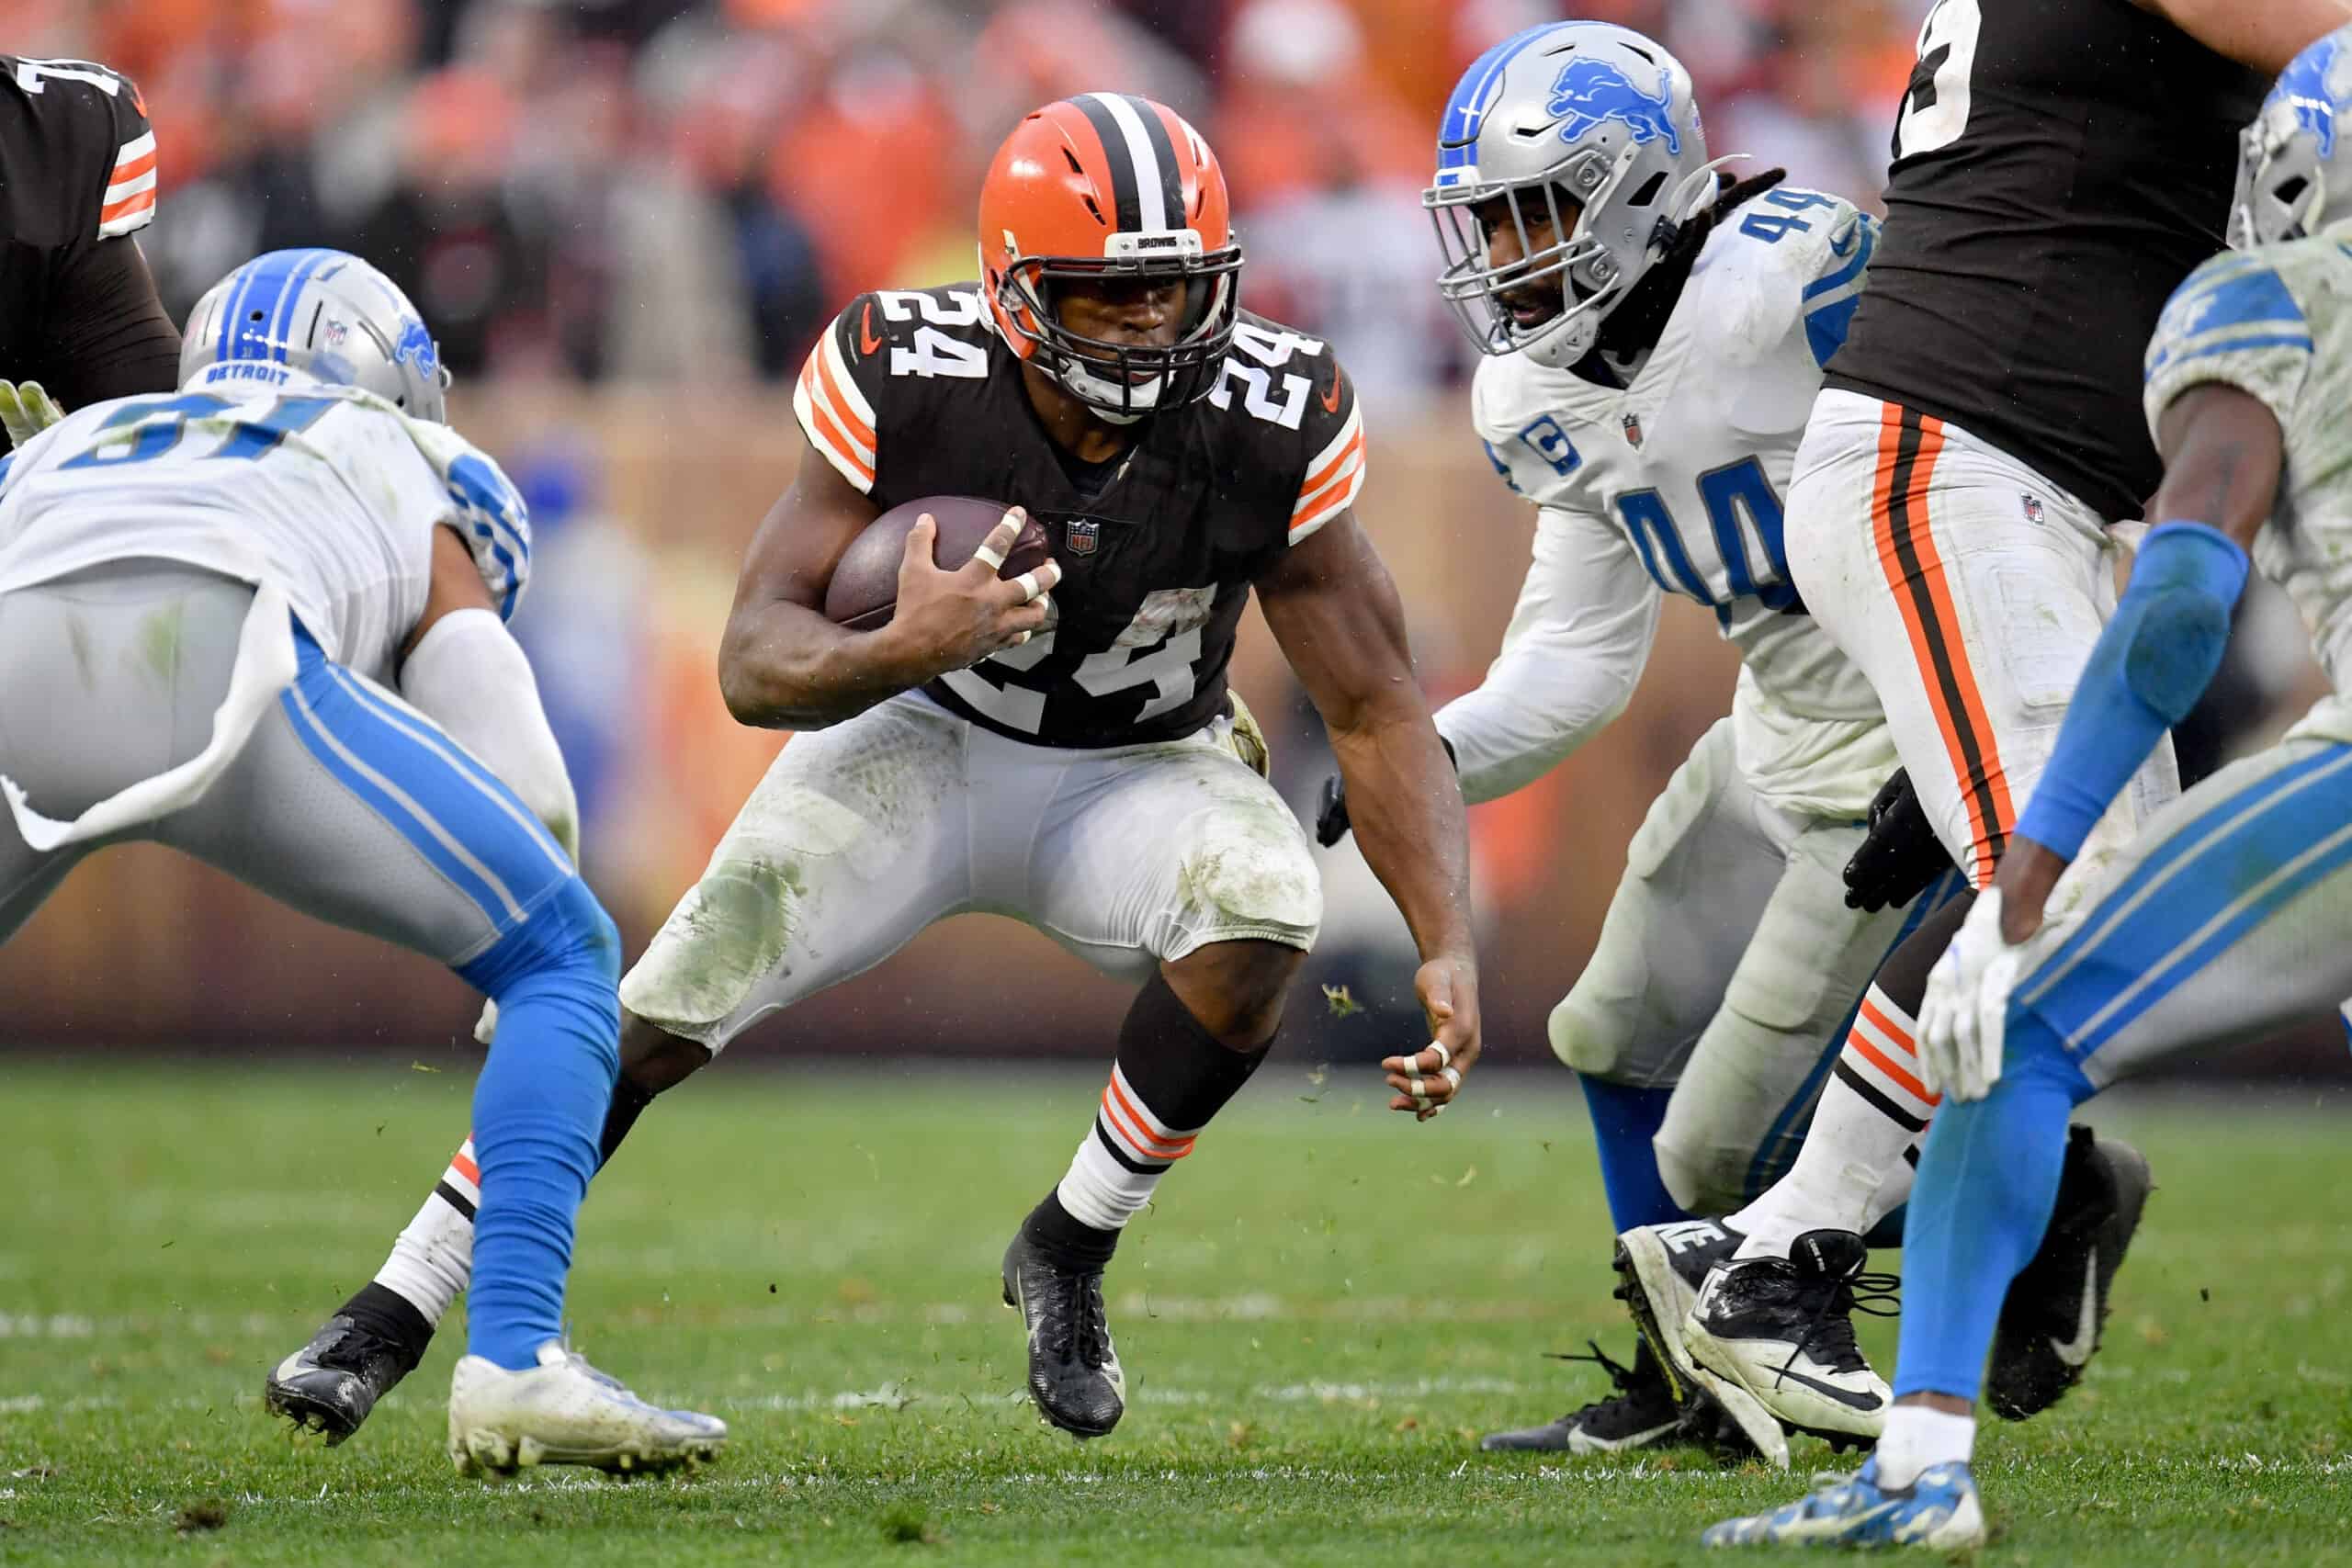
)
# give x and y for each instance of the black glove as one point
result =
(1331, 806)
(1900, 856)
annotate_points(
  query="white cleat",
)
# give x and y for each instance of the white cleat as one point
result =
(564, 1411)
(1782, 1332)
(1662, 1268)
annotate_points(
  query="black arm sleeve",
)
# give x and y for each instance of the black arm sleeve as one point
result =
(107, 334)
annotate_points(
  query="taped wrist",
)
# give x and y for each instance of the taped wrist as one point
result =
(2149, 667)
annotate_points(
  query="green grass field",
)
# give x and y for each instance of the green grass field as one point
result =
(1326, 1307)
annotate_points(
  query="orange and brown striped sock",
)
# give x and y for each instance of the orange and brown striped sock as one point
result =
(1171, 1079)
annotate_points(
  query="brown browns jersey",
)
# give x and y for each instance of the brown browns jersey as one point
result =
(77, 170)
(911, 393)
(2059, 167)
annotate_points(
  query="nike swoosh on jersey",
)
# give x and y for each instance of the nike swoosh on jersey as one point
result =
(1853, 237)
(866, 342)
(2075, 1352)
(1331, 398)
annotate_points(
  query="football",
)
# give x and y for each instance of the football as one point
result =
(865, 589)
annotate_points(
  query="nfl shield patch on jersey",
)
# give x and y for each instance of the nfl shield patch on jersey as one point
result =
(1632, 422)
(1083, 537)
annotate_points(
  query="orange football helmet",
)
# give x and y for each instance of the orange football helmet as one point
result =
(1110, 186)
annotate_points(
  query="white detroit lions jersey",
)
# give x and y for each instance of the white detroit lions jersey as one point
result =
(267, 475)
(1686, 466)
(2277, 322)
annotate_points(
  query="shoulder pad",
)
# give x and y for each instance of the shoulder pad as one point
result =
(2235, 320)
(881, 348)
(97, 125)
(488, 510)
(1292, 405)
(1790, 256)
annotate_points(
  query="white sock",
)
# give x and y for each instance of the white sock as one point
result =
(434, 1256)
(1122, 1158)
(1851, 1172)
(1917, 1438)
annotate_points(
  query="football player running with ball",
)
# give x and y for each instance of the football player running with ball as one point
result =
(2229, 916)
(207, 604)
(1063, 751)
(1656, 335)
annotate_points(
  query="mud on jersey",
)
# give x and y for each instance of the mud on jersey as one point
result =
(911, 393)
(77, 168)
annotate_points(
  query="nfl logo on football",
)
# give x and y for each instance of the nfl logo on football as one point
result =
(1083, 537)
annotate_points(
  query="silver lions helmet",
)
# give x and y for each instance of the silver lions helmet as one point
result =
(2295, 160)
(326, 312)
(1583, 133)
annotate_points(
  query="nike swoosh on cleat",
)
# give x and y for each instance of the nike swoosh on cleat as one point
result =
(1845, 1397)
(2076, 1351)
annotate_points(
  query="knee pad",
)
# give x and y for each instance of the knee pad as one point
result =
(1584, 1039)
(1700, 1179)
(728, 935)
(1246, 872)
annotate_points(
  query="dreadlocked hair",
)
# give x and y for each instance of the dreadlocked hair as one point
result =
(1635, 323)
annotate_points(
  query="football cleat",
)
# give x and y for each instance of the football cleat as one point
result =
(564, 1411)
(2057, 1305)
(1642, 1414)
(1783, 1331)
(1939, 1511)
(1074, 1372)
(355, 1358)
(1661, 1268)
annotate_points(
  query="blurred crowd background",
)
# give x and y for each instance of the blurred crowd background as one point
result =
(658, 189)
(625, 222)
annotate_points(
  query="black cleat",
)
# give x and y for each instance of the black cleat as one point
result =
(1074, 1372)
(1642, 1414)
(1783, 1331)
(1662, 1268)
(356, 1356)
(2056, 1308)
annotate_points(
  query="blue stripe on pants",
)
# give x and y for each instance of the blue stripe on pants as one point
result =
(553, 965)
(1990, 1172)
(2238, 864)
